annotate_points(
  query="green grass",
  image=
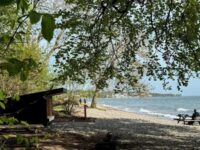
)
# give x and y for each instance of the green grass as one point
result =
(59, 108)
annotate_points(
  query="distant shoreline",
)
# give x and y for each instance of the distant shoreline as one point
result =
(122, 95)
(166, 95)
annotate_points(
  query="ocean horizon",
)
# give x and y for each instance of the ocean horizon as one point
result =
(167, 107)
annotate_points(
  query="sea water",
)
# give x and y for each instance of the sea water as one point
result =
(167, 107)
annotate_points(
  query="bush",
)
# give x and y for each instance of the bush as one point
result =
(66, 103)
(70, 104)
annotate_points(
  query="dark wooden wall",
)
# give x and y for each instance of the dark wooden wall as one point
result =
(33, 108)
(30, 109)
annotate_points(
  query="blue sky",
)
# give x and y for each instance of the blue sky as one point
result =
(193, 88)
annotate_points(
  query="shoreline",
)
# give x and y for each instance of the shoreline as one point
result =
(107, 112)
(137, 113)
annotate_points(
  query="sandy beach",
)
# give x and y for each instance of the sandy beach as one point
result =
(132, 130)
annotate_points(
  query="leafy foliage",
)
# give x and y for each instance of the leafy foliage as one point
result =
(37, 75)
(2, 97)
(17, 28)
(13, 61)
(26, 10)
(28, 142)
(48, 26)
(67, 106)
(6, 2)
(2, 105)
(113, 34)
(8, 120)
(34, 17)
(15, 66)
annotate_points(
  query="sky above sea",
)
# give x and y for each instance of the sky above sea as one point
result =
(193, 88)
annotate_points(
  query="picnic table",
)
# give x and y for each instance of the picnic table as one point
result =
(186, 119)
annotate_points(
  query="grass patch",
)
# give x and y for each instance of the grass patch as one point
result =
(59, 108)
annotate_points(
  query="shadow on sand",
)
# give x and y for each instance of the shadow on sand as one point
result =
(127, 134)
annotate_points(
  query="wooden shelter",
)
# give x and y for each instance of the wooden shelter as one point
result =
(34, 108)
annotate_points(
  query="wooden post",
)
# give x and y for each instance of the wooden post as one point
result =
(49, 108)
(85, 109)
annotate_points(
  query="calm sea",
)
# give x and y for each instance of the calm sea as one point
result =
(167, 107)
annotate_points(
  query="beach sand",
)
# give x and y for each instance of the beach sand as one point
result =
(131, 130)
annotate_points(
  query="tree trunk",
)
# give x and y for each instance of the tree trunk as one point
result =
(94, 102)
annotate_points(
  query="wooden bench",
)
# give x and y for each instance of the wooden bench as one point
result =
(187, 120)
(179, 119)
(190, 121)
(182, 117)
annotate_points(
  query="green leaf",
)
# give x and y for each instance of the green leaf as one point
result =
(5, 38)
(6, 2)
(23, 5)
(48, 26)
(34, 17)
(19, 139)
(24, 123)
(24, 75)
(1, 121)
(16, 97)
(30, 63)
(14, 60)
(13, 69)
(2, 96)
(13, 66)
(2, 105)
(26, 142)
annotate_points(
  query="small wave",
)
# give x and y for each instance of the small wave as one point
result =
(157, 114)
(106, 105)
(144, 110)
(163, 115)
(169, 116)
(182, 109)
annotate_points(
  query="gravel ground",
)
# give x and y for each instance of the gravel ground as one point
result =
(131, 130)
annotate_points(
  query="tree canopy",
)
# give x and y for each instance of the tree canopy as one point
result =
(19, 54)
(114, 35)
